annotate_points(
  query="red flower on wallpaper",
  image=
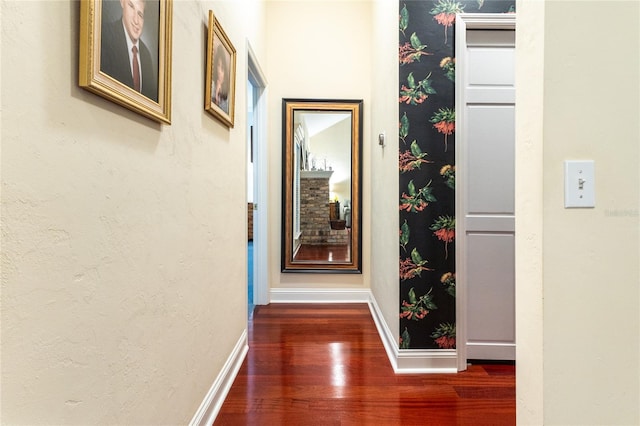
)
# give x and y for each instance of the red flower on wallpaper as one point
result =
(413, 267)
(445, 229)
(412, 50)
(444, 121)
(445, 336)
(410, 160)
(416, 200)
(414, 93)
(416, 309)
(410, 311)
(445, 14)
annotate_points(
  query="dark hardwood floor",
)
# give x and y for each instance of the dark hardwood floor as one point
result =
(324, 252)
(314, 364)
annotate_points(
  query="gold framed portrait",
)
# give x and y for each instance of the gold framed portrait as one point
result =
(220, 83)
(125, 54)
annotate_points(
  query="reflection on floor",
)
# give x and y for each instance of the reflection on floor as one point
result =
(250, 278)
(325, 252)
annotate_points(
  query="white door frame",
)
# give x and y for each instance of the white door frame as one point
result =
(260, 178)
(464, 22)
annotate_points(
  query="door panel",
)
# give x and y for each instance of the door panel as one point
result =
(483, 71)
(491, 329)
(491, 156)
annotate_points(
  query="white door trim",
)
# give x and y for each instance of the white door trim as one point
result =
(464, 22)
(258, 79)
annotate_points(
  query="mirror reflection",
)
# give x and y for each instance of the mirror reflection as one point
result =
(321, 185)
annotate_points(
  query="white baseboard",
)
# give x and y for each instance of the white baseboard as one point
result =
(214, 399)
(320, 295)
(412, 361)
(389, 341)
(491, 350)
(421, 361)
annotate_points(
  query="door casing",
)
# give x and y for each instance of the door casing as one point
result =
(260, 221)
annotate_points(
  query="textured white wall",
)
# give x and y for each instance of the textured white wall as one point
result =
(591, 256)
(384, 161)
(578, 269)
(528, 200)
(123, 241)
(333, 144)
(317, 49)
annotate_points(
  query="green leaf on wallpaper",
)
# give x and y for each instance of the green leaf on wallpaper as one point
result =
(416, 43)
(411, 81)
(412, 188)
(451, 290)
(480, 3)
(426, 85)
(404, 19)
(412, 296)
(428, 302)
(448, 172)
(404, 127)
(415, 149)
(416, 258)
(404, 235)
(405, 339)
(427, 193)
(448, 65)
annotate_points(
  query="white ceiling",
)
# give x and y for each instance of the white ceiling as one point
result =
(317, 121)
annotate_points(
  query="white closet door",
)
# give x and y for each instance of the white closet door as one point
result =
(489, 194)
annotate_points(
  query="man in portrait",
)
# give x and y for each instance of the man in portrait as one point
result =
(123, 54)
(220, 82)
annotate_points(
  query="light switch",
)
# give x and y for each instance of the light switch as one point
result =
(579, 184)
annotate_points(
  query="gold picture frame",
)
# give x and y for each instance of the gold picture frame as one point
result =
(107, 66)
(221, 60)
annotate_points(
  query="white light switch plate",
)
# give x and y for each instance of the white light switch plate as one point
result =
(579, 184)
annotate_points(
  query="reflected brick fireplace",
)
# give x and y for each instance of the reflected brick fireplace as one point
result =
(314, 211)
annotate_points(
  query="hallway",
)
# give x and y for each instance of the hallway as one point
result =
(325, 365)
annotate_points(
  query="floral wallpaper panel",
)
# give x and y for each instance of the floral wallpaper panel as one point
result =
(427, 168)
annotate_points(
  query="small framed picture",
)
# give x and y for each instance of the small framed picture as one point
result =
(125, 54)
(220, 83)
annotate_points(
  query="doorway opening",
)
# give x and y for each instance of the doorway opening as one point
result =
(485, 187)
(257, 196)
(251, 204)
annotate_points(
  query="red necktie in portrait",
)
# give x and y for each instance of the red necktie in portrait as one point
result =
(136, 70)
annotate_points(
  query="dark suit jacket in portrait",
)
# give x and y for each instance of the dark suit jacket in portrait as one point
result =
(114, 60)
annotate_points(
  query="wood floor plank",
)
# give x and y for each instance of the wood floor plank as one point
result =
(322, 364)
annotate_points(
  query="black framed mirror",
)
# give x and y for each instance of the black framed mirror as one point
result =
(321, 185)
